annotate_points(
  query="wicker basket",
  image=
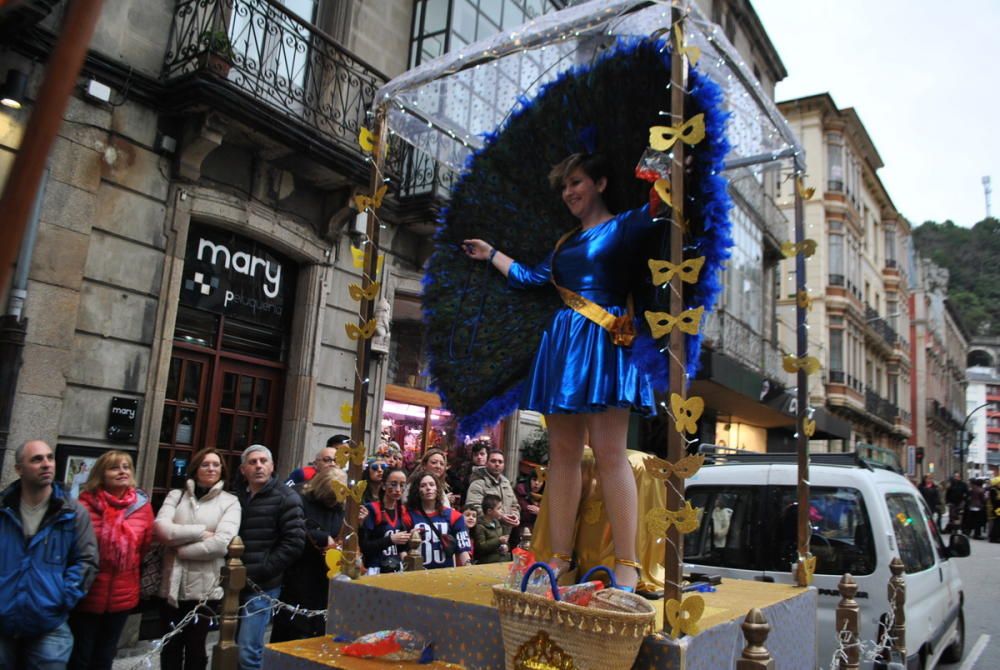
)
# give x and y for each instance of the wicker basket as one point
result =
(538, 631)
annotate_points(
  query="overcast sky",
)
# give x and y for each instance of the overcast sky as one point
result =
(923, 76)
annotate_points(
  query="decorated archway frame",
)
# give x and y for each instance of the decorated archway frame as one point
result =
(449, 108)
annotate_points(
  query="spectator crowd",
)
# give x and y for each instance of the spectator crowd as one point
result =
(72, 570)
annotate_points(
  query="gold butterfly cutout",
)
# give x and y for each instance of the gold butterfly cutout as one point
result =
(355, 454)
(366, 140)
(809, 427)
(541, 473)
(592, 512)
(804, 193)
(365, 331)
(684, 468)
(664, 271)
(342, 491)
(358, 256)
(683, 617)
(810, 364)
(368, 294)
(659, 520)
(803, 300)
(334, 560)
(807, 566)
(347, 412)
(662, 188)
(693, 53)
(806, 247)
(692, 131)
(686, 412)
(661, 323)
(363, 202)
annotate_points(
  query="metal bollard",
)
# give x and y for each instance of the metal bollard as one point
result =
(897, 600)
(225, 654)
(848, 614)
(755, 655)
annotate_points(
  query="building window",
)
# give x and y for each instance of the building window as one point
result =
(890, 247)
(836, 259)
(837, 350)
(835, 162)
(745, 273)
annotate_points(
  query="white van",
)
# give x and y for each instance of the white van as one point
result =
(861, 517)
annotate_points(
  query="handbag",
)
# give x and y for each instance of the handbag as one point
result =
(151, 572)
(537, 629)
(448, 542)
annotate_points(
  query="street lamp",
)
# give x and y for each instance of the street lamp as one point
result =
(962, 441)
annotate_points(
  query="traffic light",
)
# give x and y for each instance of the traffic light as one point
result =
(920, 454)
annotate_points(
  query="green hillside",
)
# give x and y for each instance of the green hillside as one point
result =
(972, 258)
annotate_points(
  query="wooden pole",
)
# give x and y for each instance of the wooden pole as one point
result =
(46, 118)
(848, 614)
(801, 350)
(225, 653)
(755, 655)
(349, 566)
(674, 549)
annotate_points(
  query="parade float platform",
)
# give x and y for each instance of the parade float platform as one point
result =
(452, 607)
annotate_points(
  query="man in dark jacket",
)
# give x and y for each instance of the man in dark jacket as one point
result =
(48, 559)
(955, 496)
(273, 535)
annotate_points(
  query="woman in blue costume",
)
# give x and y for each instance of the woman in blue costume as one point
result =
(581, 380)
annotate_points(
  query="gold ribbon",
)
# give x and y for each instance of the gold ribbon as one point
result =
(363, 202)
(342, 491)
(661, 323)
(810, 364)
(803, 300)
(806, 247)
(804, 193)
(365, 331)
(684, 468)
(355, 454)
(686, 412)
(366, 140)
(683, 617)
(369, 294)
(691, 132)
(693, 53)
(663, 271)
(659, 520)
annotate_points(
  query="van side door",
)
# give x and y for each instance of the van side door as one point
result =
(728, 535)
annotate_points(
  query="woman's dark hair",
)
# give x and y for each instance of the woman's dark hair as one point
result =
(199, 456)
(413, 500)
(385, 480)
(593, 165)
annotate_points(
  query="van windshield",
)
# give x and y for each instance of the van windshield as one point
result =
(841, 536)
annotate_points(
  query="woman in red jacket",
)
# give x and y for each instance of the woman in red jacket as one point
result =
(123, 523)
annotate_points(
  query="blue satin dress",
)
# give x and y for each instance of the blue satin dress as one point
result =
(577, 369)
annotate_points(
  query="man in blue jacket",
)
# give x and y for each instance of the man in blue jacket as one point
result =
(48, 559)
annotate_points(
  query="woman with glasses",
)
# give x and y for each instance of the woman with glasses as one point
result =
(385, 532)
(373, 474)
(195, 525)
(444, 536)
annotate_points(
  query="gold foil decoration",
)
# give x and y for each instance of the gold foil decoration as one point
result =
(541, 653)
(362, 202)
(366, 140)
(661, 323)
(686, 412)
(683, 617)
(810, 364)
(804, 193)
(691, 132)
(684, 468)
(342, 491)
(663, 271)
(803, 300)
(806, 567)
(806, 247)
(347, 412)
(346, 452)
(809, 427)
(592, 512)
(334, 559)
(365, 331)
(693, 53)
(662, 188)
(659, 520)
(359, 293)
(358, 256)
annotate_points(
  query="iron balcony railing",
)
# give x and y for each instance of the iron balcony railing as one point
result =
(275, 58)
(741, 342)
(879, 406)
(880, 326)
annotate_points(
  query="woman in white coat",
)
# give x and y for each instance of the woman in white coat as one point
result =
(195, 525)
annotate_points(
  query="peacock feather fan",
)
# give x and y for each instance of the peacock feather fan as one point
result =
(481, 335)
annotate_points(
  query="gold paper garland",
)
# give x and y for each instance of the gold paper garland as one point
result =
(358, 293)
(363, 201)
(355, 454)
(804, 193)
(806, 247)
(347, 412)
(686, 412)
(792, 364)
(684, 468)
(662, 323)
(358, 256)
(342, 491)
(659, 519)
(663, 271)
(366, 140)
(683, 617)
(809, 427)
(691, 132)
(693, 53)
(803, 300)
(356, 333)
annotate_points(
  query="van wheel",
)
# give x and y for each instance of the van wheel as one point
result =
(955, 650)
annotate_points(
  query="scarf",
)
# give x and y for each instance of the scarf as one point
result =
(116, 540)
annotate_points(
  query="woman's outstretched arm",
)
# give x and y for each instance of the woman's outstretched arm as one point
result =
(482, 251)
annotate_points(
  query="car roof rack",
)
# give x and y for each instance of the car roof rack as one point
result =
(717, 454)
